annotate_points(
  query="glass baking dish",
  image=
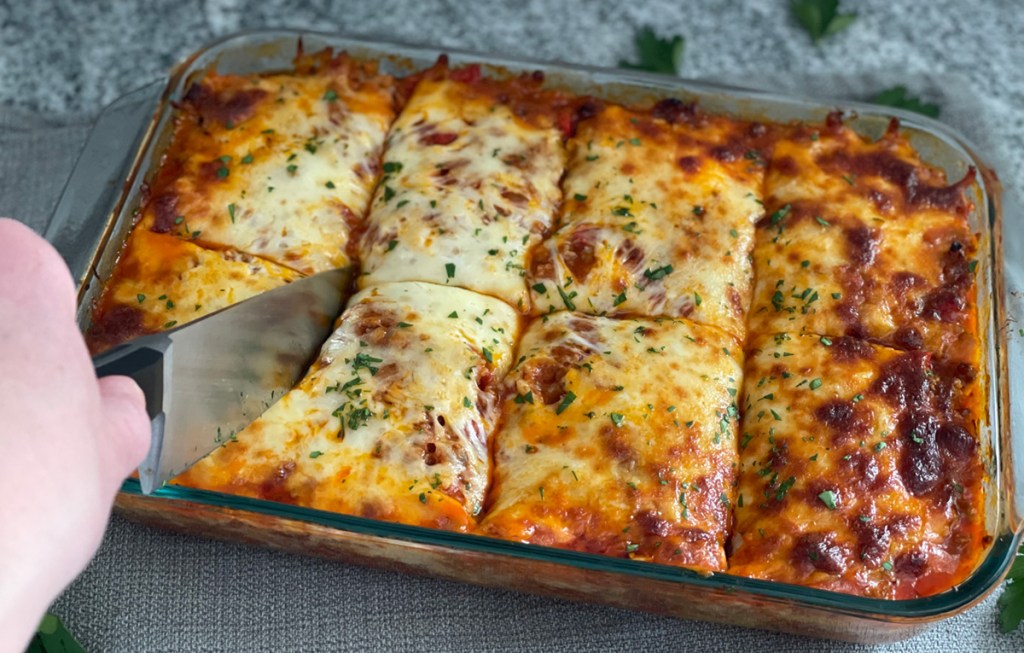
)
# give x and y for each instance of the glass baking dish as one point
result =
(103, 194)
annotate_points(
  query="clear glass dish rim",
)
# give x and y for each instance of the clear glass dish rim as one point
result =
(984, 579)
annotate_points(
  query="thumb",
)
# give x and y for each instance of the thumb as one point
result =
(126, 430)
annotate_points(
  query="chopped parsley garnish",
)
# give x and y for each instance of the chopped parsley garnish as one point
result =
(658, 273)
(540, 288)
(315, 454)
(392, 244)
(621, 297)
(828, 497)
(524, 399)
(449, 269)
(566, 402)
(778, 215)
(331, 95)
(366, 361)
(392, 166)
(453, 314)
(231, 212)
(567, 298)
(780, 494)
(617, 419)
(488, 355)
(579, 198)
(815, 384)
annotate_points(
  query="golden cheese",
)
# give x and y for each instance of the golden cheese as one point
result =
(659, 217)
(394, 419)
(619, 437)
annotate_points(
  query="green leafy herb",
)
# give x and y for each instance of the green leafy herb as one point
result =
(820, 18)
(617, 419)
(566, 402)
(1011, 603)
(655, 54)
(315, 454)
(828, 497)
(897, 97)
(331, 95)
(449, 269)
(53, 637)
(658, 273)
(524, 399)
(488, 355)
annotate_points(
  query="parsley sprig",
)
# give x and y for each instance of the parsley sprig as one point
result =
(820, 18)
(656, 55)
(53, 637)
(1011, 603)
(897, 97)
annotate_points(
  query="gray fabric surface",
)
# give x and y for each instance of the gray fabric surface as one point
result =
(153, 591)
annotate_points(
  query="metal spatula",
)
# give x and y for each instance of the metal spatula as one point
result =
(209, 379)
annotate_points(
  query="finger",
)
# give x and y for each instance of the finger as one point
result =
(126, 435)
(33, 275)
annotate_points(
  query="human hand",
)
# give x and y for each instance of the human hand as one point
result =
(67, 440)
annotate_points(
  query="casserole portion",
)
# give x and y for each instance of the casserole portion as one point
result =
(860, 468)
(278, 166)
(863, 239)
(392, 422)
(658, 219)
(161, 282)
(619, 437)
(470, 184)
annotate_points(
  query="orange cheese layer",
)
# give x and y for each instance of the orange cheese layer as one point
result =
(863, 239)
(619, 438)
(860, 469)
(658, 219)
(279, 166)
(162, 282)
(394, 419)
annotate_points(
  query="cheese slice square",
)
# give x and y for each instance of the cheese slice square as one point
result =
(863, 239)
(278, 166)
(658, 219)
(619, 437)
(860, 468)
(394, 419)
(470, 185)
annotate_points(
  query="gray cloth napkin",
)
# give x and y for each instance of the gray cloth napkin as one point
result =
(152, 591)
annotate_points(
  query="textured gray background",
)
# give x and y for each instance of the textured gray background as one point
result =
(60, 62)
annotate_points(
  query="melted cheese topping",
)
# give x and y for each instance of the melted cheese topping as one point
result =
(863, 239)
(468, 188)
(280, 166)
(659, 220)
(857, 474)
(393, 420)
(161, 282)
(619, 438)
